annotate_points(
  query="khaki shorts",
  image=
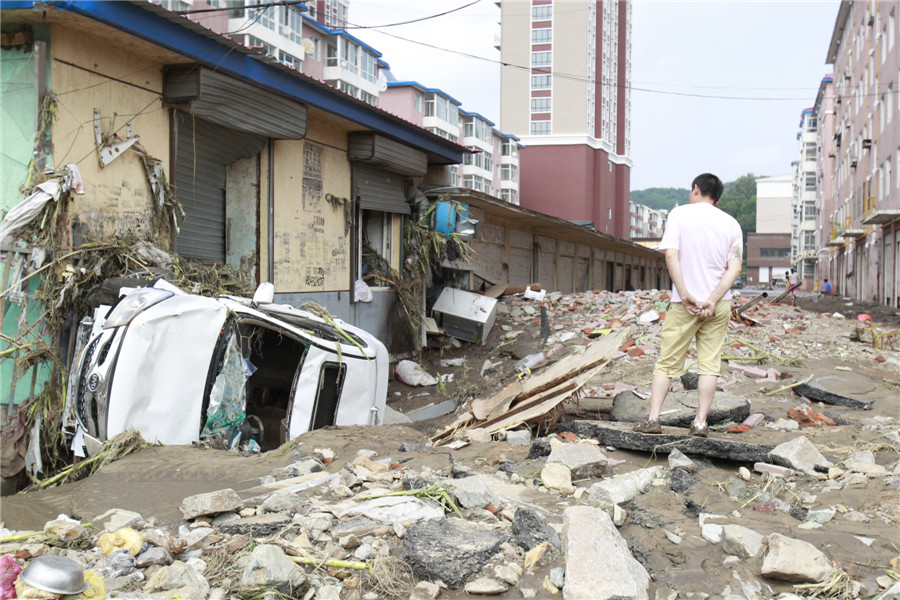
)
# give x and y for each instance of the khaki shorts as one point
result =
(680, 327)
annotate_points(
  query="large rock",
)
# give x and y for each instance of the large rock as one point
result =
(583, 460)
(557, 477)
(741, 541)
(284, 501)
(270, 566)
(800, 454)
(631, 408)
(530, 529)
(793, 560)
(622, 488)
(210, 504)
(451, 550)
(599, 565)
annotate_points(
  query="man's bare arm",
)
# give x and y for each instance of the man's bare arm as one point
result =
(673, 264)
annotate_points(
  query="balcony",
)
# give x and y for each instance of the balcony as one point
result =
(881, 217)
(836, 242)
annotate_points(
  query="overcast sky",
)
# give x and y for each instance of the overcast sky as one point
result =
(769, 55)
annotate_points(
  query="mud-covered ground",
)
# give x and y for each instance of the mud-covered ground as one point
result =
(862, 538)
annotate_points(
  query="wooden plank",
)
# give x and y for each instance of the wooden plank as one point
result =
(622, 436)
(598, 352)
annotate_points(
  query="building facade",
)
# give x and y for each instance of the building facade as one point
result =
(646, 223)
(864, 243)
(565, 92)
(826, 229)
(803, 214)
(769, 248)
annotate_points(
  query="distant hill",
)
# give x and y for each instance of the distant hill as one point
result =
(660, 198)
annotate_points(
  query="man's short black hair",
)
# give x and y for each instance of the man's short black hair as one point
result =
(710, 186)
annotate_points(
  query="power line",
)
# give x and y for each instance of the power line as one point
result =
(420, 19)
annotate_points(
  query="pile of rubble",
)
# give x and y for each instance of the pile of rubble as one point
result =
(517, 495)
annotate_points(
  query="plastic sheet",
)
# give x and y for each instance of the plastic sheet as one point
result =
(9, 571)
(228, 398)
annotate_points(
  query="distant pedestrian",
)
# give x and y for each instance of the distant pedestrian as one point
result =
(704, 252)
(793, 280)
(826, 288)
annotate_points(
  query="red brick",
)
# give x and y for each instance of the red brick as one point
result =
(879, 359)
(635, 352)
(765, 507)
(738, 428)
(628, 344)
(567, 436)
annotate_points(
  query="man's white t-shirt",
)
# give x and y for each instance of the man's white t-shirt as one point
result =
(706, 238)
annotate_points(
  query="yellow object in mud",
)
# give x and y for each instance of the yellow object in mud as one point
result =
(95, 590)
(125, 538)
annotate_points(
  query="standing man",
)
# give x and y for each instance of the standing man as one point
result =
(704, 252)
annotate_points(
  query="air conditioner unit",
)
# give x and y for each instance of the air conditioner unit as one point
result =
(866, 144)
(853, 160)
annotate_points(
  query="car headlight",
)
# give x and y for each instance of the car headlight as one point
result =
(129, 306)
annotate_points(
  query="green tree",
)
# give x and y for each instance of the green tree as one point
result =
(739, 201)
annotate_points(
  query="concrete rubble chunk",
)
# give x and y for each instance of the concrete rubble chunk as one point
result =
(211, 503)
(800, 454)
(557, 477)
(473, 492)
(270, 566)
(741, 541)
(794, 560)
(867, 469)
(712, 532)
(425, 590)
(836, 390)
(583, 460)
(178, 577)
(153, 556)
(677, 460)
(390, 509)
(622, 488)
(530, 529)
(451, 550)
(588, 534)
(519, 437)
(117, 518)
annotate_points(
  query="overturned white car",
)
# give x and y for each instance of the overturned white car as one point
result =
(178, 367)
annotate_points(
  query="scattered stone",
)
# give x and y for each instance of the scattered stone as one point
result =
(557, 477)
(178, 576)
(866, 468)
(558, 577)
(711, 532)
(257, 526)
(741, 541)
(115, 519)
(270, 566)
(681, 482)
(473, 492)
(744, 473)
(449, 549)
(793, 560)
(210, 504)
(283, 501)
(539, 449)
(485, 586)
(584, 460)
(800, 454)
(677, 460)
(154, 555)
(519, 437)
(589, 533)
(509, 573)
(65, 529)
(425, 590)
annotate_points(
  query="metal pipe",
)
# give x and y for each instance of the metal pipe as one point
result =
(737, 314)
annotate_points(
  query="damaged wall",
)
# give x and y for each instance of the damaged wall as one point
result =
(83, 74)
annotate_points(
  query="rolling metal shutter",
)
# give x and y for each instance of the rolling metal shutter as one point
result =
(203, 151)
(378, 189)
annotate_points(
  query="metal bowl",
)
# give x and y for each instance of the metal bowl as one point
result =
(56, 574)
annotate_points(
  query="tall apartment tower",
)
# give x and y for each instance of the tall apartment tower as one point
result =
(565, 93)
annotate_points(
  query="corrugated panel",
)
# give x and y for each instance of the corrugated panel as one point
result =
(379, 151)
(233, 103)
(378, 189)
(203, 150)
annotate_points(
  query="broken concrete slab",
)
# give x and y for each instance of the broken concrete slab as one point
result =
(621, 435)
(589, 533)
(741, 541)
(838, 390)
(258, 526)
(473, 492)
(269, 566)
(451, 550)
(631, 408)
(558, 478)
(212, 503)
